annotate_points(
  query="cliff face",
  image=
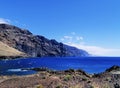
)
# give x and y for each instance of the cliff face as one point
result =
(35, 45)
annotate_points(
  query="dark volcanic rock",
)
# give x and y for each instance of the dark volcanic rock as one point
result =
(35, 45)
(11, 57)
(113, 68)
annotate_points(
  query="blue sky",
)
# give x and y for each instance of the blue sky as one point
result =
(93, 25)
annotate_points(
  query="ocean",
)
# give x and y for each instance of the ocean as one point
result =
(88, 64)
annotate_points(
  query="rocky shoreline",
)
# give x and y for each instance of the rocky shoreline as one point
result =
(64, 79)
(10, 57)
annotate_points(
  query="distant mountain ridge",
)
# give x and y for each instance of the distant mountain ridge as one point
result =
(35, 45)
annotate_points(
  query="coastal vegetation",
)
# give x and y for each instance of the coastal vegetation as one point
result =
(63, 79)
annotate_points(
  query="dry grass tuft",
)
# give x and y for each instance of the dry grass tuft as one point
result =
(5, 50)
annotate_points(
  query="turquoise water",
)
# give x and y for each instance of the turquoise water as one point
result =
(88, 64)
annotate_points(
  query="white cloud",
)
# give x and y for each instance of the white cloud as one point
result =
(96, 50)
(79, 38)
(68, 37)
(5, 21)
(78, 42)
(73, 37)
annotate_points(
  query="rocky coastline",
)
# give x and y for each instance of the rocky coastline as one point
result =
(63, 79)
(20, 43)
(11, 57)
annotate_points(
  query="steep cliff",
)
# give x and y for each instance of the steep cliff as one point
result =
(35, 45)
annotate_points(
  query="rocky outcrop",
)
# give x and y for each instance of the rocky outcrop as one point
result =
(71, 78)
(35, 45)
(113, 68)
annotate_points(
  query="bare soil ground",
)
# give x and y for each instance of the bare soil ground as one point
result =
(66, 79)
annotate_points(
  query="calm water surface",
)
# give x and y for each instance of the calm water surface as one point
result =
(88, 64)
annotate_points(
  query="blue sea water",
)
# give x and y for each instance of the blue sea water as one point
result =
(88, 64)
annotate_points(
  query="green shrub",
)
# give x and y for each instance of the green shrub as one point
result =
(43, 77)
(108, 79)
(91, 86)
(59, 86)
(40, 86)
(84, 79)
(67, 77)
